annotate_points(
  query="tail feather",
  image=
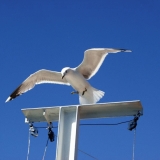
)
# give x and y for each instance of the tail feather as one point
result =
(91, 96)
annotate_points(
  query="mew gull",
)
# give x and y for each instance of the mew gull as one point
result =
(76, 77)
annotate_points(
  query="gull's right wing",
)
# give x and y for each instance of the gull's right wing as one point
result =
(41, 76)
(93, 59)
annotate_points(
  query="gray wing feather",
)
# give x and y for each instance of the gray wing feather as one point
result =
(93, 59)
(41, 76)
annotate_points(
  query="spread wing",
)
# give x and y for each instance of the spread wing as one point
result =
(41, 76)
(93, 59)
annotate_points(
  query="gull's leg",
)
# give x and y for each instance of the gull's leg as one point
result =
(75, 92)
(84, 91)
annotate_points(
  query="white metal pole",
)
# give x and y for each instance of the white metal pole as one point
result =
(67, 140)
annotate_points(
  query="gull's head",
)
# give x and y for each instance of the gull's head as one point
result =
(64, 71)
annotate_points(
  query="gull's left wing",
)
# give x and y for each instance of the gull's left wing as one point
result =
(41, 76)
(93, 59)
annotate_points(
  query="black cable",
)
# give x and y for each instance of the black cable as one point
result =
(105, 124)
(87, 154)
(46, 127)
(99, 124)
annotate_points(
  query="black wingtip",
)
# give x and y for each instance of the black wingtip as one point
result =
(125, 50)
(11, 97)
(14, 94)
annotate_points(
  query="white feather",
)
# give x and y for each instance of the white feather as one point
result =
(91, 96)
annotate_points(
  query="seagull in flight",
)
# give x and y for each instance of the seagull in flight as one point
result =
(76, 77)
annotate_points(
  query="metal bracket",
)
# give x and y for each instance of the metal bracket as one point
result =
(133, 124)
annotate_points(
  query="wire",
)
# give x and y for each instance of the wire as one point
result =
(87, 154)
(45, 149)
(28, 145)
(46, 127)
(99, 124)
(105, 124)
(134, 142)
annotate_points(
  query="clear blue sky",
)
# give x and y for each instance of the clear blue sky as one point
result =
(51, 35)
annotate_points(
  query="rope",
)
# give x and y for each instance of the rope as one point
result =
(28, 145)
(101, 124)
(87, 154)
(45, 149)
(134, 142)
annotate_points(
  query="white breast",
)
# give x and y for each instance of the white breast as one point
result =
(77, 81)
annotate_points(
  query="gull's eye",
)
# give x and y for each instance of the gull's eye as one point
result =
(66, 71)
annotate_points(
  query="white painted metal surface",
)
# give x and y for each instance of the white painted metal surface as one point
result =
(69, 116)
(99, 110)
(68, 133)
